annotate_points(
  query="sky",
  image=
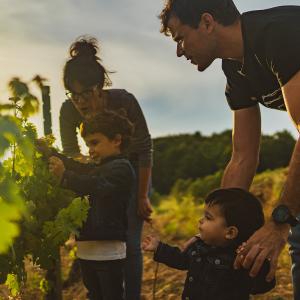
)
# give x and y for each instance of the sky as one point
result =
(35, 36)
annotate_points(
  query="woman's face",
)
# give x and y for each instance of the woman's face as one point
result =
(87, 100)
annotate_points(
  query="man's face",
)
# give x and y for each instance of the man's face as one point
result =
(212, 226)
(100, 146)
(196, 44)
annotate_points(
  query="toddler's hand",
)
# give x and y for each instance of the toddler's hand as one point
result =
(150, 243)
(56, 167)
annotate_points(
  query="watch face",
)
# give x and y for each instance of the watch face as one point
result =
(281, 214)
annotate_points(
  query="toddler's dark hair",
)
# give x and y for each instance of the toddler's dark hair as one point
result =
(240, 208)
(110, 123)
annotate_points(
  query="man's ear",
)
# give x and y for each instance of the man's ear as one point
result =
(208, 22)
(231, 233)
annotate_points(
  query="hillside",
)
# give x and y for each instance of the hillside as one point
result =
(193, 156)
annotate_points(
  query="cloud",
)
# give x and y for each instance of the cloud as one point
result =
(35, 36)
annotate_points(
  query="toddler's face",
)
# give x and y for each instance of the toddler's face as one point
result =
(212, 226)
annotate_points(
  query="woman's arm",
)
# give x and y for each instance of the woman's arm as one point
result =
(142, 147)
(69, 120)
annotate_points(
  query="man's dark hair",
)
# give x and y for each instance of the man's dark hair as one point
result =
(240, 209)
(110, 123)
(189, 12)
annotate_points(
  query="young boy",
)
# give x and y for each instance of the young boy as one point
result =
(230, 218)
(109, 184)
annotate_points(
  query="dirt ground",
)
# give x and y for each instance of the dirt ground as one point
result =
(168, 285)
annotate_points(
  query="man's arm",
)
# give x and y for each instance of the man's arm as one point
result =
(245, 152)
(269, 241)
(291, 192)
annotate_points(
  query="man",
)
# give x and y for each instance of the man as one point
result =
(261, 60)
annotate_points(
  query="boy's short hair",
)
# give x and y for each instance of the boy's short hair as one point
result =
(240, 209)
(189, 12)
(110, 123)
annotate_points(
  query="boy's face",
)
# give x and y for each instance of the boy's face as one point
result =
(100, 146)
(213, 228)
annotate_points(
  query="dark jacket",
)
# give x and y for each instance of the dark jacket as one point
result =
(210, 273)
(109, 186)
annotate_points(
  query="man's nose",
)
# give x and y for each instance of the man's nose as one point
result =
(179, 50)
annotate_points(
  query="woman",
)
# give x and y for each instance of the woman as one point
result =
(84, 79)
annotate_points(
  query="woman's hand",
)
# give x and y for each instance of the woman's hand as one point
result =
(145, 209)
(150, 243)
(56, 167)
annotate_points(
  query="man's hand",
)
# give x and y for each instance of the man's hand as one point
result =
(150, 243)
(56, 167)
(144, 209)
(265, 243)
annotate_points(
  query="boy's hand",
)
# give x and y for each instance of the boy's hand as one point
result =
(42, 146)
(150, 243)
(56, 167)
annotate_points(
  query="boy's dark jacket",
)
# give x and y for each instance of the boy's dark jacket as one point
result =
(110, 185)
(210, 272)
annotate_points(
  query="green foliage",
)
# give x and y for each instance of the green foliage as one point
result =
(198, 188)
(52, 215)
(11, 202)
(276, 150)
(44, 286)
(268, 186)
(68, 220)
(13, 284)
(178, 217)
(34, 210)
(193, 156)
(29, 103)
(13, 131)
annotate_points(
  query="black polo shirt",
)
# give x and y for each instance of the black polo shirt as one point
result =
(271, 58)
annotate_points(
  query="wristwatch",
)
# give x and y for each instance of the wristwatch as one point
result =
(282, 215)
